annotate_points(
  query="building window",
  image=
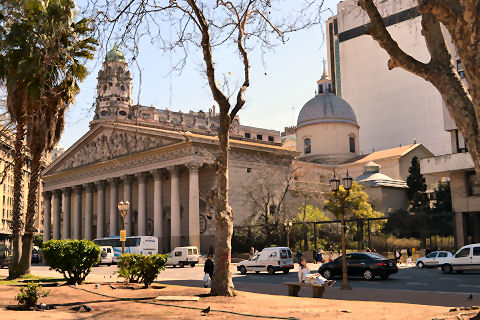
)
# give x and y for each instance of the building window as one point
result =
(247, 135)
(351, 140)
(460, 69)
(123, 113)
(122, 87)
(145, 116)
(249, 170)
(104, 113)
(259, 137)
(307, 146)
(270, 138)
(473, 186)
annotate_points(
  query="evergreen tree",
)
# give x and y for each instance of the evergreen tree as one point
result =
(417, 188)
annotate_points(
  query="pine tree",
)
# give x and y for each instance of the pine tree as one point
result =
(417, 188)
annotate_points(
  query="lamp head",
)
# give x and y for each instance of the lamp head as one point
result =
(347, 182)
(335, 183)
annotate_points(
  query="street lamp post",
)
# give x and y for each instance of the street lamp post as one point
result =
(288, 226)
(123, 209)
(335, 185)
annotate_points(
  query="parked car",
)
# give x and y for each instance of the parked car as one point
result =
(269, 259)
(5, 257)
(183, 256)
(37, 256)
(433, 259)
(467, 258)
(106, 255)
(365, 264)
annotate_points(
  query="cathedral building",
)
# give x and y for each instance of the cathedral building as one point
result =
(163, 163)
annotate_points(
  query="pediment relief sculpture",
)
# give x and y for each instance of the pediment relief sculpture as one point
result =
(111, 145)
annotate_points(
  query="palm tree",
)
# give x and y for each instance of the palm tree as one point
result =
(57, 47)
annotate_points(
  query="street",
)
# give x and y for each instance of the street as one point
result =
(411, 285)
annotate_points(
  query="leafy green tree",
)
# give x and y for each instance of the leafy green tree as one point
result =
(417, 188)
(356, 204)
(443, 197)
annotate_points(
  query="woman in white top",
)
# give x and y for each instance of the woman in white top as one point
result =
(305, 276)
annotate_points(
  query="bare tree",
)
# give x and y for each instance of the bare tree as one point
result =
(207, 26)
(268, 200)
(461, 19)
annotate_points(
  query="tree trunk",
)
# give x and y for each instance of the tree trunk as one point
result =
(222, 284)
(18, 160)
(32, 202)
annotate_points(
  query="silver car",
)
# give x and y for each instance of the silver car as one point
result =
(433, 259)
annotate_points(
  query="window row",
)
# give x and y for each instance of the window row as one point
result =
(248, 135)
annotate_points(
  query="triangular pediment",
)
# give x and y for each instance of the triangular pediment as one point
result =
(107, 142)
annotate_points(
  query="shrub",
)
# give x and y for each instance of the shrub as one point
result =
(141, 268)
(29, 295)
(73, 258)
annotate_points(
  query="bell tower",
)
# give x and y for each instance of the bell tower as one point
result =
(114, 87)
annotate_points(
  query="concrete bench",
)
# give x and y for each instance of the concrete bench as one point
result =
(294, 288)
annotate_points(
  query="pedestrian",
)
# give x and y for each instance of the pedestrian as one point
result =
(299, 256)
(397, 256)
(409, 257)
(368, 249)
(314, 255)
(252, 251)
(428, 251)
(320, 256)
(330, 254)
(208, 268)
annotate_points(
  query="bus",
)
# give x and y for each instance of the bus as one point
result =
(139, 244)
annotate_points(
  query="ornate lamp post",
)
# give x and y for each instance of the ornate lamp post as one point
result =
(335, 185)
(123, 209)
(288, 226)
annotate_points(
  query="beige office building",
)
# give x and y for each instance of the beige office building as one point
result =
(393, 107)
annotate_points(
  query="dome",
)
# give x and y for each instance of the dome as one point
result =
(115, 55)
(326, 108)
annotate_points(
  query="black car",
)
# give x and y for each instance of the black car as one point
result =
(365, 264)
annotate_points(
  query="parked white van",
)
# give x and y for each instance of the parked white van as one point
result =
(182, 256)
(106, 255)
(467, 258)
(269, 259)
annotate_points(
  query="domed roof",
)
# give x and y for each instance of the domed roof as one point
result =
(115, 55)
(326, 108)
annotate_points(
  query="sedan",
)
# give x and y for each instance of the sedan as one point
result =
(433, 259)
(365, 264)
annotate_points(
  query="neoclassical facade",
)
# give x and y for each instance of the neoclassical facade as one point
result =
(161, 162)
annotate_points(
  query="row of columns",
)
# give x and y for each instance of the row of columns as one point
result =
(66, 193)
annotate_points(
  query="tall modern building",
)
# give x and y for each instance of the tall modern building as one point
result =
(393, 107)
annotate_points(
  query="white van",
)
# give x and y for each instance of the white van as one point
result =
(182, 256)
(106, 255)
(269, 259)
(467, 258)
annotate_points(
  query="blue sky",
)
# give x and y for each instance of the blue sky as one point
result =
(281, 82)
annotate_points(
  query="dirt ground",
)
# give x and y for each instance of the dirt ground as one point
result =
(113, 307)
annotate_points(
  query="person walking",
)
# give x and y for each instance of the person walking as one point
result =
(409, 257)
(299, 256)
(397, 256)
(208, 268)
(252, 251)
(314, 255)
(320, 256)
(330, 254)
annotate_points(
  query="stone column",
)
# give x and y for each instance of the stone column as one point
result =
(142, 203)
(77, 212)
(157, 204)
(127, 196)
(459, 231)
(113, 206)
(66, 192)
(193, 207)
(100, 208)
(88, 210)
(57, 223)
(175, 236)
(47, 214)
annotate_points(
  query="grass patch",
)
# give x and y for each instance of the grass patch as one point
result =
(29, 278)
